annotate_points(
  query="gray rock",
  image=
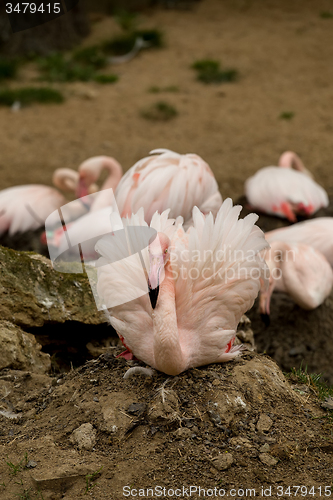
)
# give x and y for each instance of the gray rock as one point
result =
(84, 437)
(267, 459)
(32, 293)
(264, 448)
(20, 350)
(223, 461)
(264, 423)
(183, 433)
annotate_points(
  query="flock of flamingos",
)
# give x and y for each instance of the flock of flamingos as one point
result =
(205, 266)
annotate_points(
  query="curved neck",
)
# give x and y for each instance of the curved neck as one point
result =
(167, 350)
(115, 172)
(65, 179)
(289, 159)
(102, 199)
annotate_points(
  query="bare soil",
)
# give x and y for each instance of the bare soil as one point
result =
(239, 425)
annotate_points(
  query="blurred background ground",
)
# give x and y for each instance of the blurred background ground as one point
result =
(282, 51)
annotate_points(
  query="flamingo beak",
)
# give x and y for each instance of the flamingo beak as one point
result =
(81, 189)
(43, 238)
(265, 302)
(156, 271)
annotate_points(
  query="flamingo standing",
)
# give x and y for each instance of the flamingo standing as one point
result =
(24, 208)
(163, 180)
(285, 192)
(207, 278)
(298, 270)
(317, 233)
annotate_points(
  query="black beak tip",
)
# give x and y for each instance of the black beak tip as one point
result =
(265, 318)
(153, 294)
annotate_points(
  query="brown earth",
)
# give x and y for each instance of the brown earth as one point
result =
(239, 426)
(283, 52)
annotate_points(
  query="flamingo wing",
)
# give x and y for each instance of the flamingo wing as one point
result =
(317, 233)
(168, 180)
(217, 278)
(312, 278)
(24, 208)
(125, 283)
(276, 190)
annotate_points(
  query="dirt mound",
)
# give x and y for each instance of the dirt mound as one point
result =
(237, 425)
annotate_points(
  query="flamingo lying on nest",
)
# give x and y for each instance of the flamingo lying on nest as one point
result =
(205, 280)
(285, 192)
(317, 233)
(298, 270)
(163, 180)
(24, 208)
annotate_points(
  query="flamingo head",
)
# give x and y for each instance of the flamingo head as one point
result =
(305, 210)
(85, 187)
(159, 256)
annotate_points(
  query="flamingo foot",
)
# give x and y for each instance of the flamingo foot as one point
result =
(287, 210)
(128, 355)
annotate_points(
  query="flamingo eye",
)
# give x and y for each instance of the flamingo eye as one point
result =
(166, 250)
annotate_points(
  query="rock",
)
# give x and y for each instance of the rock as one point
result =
(328, 403)
(183, 433)
(164, 409)
(264, 423)
(223, 461)
(137, 409)
(267, 459)
(20, 350)
(114, 416)
(227, 403)
(244, 334)
(60, 478)
(240, 442)
(84, 437)
(31, 464)
(32, 293)
(264, 448)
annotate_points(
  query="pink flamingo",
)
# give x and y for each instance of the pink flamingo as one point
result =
(317, 233)
(204, 280)
(158, 182)
(285, 192)
(164, 179)
(24, 208)
(298, 270)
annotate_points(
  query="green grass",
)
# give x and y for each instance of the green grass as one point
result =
(30, 95)
(120, 45)
(92, 56)
(326, 15)
(208, 71)
(90, 478)
(154, 89)
(160, 111)
(82, 66)
(8, 68)
(14, 469)
(104, 79)
(126, 20)
(313, 380)
(56, 68)
(287, 115)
